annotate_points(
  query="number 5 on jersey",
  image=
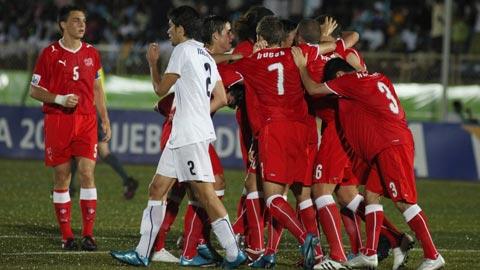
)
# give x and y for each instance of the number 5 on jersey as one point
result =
(76, 75)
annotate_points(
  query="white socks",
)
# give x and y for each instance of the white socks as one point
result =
(224, 232)
(152, 220)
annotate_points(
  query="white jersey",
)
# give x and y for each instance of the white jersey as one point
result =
(198, 75)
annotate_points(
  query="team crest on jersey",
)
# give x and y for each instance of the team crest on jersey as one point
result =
(88, 62)
(36, 79)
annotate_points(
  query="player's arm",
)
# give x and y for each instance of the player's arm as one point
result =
(219, 58)
(160, 85)
(313, 88)
(100, 104)
(350, 38)
(219, 99)
(354, 60)
(41, 94)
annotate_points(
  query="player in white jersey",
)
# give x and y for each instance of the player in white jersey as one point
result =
(195, 76)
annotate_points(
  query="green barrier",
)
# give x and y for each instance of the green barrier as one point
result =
(421, 102)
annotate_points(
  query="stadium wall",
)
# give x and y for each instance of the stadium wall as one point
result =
(442, 151)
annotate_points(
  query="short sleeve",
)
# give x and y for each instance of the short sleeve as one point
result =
(215, 75)
(344, 86)
(41, 74)
(177, 61)
(340, 48)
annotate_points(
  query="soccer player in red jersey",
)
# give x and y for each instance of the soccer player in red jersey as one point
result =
(272, 75)
(250, 209)
(66, 79)
(374, 125)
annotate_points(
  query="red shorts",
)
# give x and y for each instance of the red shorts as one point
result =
(349, 178)
(216, 164)
(331, 159)
(282, 151)
(70, 135)
(312, 149)
(397, 177)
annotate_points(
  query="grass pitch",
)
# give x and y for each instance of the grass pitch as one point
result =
(29, 238)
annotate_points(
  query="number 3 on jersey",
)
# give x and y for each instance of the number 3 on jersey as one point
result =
(393, 102)
(279, 68)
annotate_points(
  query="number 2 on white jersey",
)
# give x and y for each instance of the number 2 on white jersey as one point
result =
(385, 90)
(279, 68)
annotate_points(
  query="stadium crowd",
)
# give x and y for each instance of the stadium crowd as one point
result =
(395, 26)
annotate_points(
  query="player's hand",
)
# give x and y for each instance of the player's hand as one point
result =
(153, 53)
(107, 132)
(328, 27)
(259, 45)
(298, 57)
(67, 101)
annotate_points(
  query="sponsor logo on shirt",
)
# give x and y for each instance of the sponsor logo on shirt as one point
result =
(88, 62)
(36, 79)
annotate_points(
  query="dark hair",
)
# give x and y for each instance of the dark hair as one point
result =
(188, 18)
(309, 31)
(288, 25)
(212, 24)
(245, 26)
(321, 20)
(64, 12)
(333, 66)
(270, 28)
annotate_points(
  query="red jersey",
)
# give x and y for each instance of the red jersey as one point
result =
(62, 71)
(275, 79)
(228, 74)
(370, 113)
(244, 48)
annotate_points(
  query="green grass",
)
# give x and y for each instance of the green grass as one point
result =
(29, 237)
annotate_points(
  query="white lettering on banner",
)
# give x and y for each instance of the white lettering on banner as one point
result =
(421, 165)
(33, 138)
(119, 147)
(152, 139)
(225, 143)
(136, 137)
(5, 136)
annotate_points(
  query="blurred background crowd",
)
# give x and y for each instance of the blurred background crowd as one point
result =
(392, 25)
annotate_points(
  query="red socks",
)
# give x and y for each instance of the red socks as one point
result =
(329, 218)
(285, 215)
(63, 209)
(417, 221)
(88, 204)
(308, 218)
(373, 224)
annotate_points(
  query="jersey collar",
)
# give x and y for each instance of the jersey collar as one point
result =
(70, 50)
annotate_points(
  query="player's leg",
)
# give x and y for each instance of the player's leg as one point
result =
(72, 188)
(329, 218)
(63, 204)
(88, 200)
(306, 212)
(254, 206)
(174, 199)
(130, 185)
(348, 197)
(154, 213)
(220, 222)
(396, 169)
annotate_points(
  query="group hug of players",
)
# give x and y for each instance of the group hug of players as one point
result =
(279, 92)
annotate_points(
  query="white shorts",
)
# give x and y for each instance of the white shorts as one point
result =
(187, 163)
